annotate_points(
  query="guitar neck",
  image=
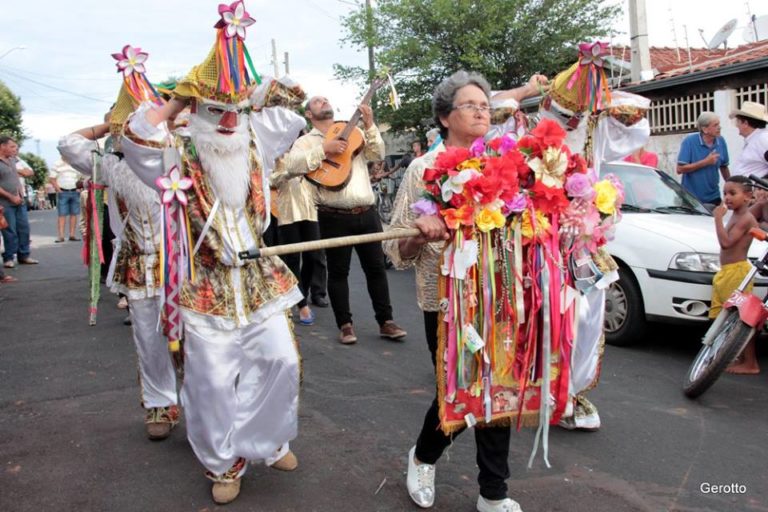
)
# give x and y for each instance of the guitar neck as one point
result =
(356, 116)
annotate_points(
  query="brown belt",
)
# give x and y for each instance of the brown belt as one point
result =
(357, 210)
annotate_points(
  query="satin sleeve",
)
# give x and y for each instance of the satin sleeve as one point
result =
(77, 151)
(143, 146)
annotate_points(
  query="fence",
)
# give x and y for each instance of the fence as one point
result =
(679, 114)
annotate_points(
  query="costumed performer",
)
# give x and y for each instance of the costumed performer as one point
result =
(601, 125)
(242, 366)
(136, 222)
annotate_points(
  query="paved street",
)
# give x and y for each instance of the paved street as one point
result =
(72, 435)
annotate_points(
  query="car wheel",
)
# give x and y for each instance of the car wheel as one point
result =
(624, 311)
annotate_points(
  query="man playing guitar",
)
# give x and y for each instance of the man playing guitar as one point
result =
(346, 210)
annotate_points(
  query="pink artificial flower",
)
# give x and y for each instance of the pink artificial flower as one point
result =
(174, 186)
(424, 207)
(130, 60)
(507, 144)
(234, 19)
(516, 205)
(579, 185)
(477, 148)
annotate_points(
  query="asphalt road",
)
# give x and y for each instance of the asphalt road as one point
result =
(72, 435)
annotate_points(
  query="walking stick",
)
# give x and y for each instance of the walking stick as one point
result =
(328, 243)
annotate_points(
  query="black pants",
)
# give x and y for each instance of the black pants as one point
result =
(492, 442)
(106, 243)
(371, 260)
(308, 267)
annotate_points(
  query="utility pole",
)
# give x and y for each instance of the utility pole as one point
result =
(37, 144)
(369, 33)
(638, 35)
(274, 58)
(287, 69)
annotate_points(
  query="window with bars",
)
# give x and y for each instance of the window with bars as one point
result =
(757, 93)
(679, 114)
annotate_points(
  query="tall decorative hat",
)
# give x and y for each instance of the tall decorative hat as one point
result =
(135, 89)
(583, 87)
(227, 72)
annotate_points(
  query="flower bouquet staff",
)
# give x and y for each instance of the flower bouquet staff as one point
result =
(135, 219)
(602, 126)
(498, 297)
(240, 391)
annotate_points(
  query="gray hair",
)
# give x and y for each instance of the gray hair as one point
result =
(442, 99)
(705, 119)
(432, 134)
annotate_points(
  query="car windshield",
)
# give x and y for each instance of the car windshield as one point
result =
(649, 190)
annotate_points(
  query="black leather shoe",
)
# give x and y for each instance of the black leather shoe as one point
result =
(319, 301)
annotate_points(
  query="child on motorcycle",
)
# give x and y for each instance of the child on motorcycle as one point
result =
(734, 239)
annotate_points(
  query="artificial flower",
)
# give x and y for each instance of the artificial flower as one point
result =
(530, 145)
(455, 184)
(424, 207)
(550, 168)
(450, 158)
(593, 53)
(234, 19)
(516, 204)
(539, 226)
(456, 217)
(477, 148)
(606, 195)
(576, 164)
(130, 60)
(488, 219)
(579, 185)
(549, 133)
(549, 199)
(174, 186)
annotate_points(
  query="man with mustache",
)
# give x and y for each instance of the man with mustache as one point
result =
(240, 392)
(344, 212)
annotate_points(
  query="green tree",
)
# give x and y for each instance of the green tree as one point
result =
(424, 41)
(10, 114)
(39, 166)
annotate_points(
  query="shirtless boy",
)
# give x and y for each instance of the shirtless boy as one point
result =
(734, 241)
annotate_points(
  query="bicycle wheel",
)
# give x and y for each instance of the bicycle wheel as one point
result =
(713, 359)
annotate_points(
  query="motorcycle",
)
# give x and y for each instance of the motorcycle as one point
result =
(741, 318)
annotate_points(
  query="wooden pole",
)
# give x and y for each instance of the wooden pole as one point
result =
(328, 243)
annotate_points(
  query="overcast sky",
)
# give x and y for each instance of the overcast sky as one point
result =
(66, 78)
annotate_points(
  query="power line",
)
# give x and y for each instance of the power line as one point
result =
(54, 88)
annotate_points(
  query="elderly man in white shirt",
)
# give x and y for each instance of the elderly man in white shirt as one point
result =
(64, 179)
(751, 120)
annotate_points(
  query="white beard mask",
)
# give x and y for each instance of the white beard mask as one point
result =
(225, 159)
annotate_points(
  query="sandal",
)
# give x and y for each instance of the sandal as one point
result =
(8, 279)
(309, 320)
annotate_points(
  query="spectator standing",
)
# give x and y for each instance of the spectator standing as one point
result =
(643, 157)
(50, 191)
(751, 121)
(16, 235)
(702, 156)
(432, 136)
(64, 179)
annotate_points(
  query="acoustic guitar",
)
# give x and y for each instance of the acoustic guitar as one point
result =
(334, 172)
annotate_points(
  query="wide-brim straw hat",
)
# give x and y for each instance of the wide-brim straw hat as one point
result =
(752, 110)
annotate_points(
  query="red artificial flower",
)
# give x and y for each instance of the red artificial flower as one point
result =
(549, 199)
(549, 133)
(495, 144)
(530, 145)
(451, 157)
(455, 217)
(576, 163)
(458, 200)
(515, 161)
(432, 174)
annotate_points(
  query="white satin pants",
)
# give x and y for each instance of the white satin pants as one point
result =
(587, 349)
(241, 392)
(158, 378)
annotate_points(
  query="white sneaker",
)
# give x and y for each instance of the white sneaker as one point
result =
(420, 481)
(505, 505)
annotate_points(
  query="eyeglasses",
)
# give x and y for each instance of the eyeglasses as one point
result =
(476, 109)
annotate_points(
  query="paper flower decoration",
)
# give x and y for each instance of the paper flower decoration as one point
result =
(234, 19)
(592, 53)
(130, 60)
(174, 186)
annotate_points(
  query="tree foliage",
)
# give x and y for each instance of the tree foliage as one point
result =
(39, 166)
(424, 41)
(10, 114)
